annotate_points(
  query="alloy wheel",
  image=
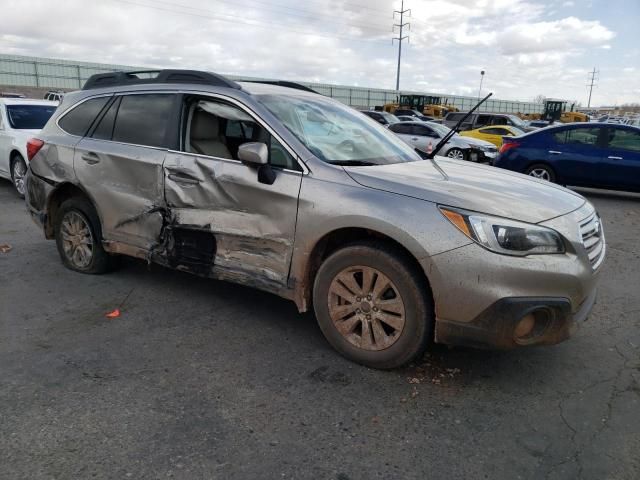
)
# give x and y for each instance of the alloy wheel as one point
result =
(366, 308)
(540, 173)
(77, 239)
(456, 153)
(18, 173)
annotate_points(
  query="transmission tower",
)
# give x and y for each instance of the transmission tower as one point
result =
(402, 12)
(593, 78)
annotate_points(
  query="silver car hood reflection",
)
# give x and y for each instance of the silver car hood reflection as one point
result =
(471, 186)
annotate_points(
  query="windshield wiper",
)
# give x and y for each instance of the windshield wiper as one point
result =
(455, 129)
(352, 163)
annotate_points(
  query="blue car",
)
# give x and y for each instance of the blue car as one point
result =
(600, 155)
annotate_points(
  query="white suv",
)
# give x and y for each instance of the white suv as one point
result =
(20, 119)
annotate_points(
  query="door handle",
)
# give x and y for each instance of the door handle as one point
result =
(414, 138)
(91, 158)
(554, 152)
(614, 158)
(181, 179)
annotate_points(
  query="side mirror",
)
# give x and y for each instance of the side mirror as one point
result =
(255, 153)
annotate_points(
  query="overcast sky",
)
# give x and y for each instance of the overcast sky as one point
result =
(526, 47)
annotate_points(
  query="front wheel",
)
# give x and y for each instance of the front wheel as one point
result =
(541, 171)
(18, 172)
(373, 305)
(456, 153)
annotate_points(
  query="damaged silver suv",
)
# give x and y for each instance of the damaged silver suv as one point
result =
(288, 191)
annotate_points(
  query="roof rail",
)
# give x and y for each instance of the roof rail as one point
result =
(284, 83)
(113, 79)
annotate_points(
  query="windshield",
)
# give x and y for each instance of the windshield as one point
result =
(517, 121)
(336, 133)
(440, 129)
(29, 117)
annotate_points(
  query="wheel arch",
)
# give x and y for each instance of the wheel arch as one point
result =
(63, 192)
(337, 239)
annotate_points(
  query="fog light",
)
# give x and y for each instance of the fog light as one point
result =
(525, 326)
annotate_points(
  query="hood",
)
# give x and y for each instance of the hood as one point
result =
(471, 186)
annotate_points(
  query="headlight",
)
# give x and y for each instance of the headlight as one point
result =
(505, 236)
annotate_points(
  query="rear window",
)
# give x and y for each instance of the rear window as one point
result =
(78, 120)
(29, 117)
(455, 117)
(143, 119)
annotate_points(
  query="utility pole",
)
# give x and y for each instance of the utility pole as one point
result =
(480, 89)
(592, 80)
(400, 38)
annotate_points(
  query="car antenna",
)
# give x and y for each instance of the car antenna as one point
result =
(455, 129)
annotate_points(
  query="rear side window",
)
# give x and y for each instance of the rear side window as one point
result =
(104, 130)
(624, 140)
(578, 136)
(78, 120)
(143, 119)
(483, 120)
(401, 128)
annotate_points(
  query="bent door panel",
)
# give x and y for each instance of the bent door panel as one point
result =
(253, 223)
(125, 182)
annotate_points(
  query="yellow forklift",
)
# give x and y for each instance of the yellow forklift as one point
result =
(427, 104)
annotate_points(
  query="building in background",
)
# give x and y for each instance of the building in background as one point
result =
(35, 76)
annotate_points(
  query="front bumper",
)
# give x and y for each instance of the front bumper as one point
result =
(496, 326)
(482, 156)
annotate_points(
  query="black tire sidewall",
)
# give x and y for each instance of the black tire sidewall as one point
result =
(100, 258)
(414, 292)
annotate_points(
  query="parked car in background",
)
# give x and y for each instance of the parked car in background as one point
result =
(478, 120)
(384, 118)
(54, 95)
(256, 184)
(597, 155)
(404, 112)
(493, 134)
(11, 95)
(407, 118)
(426, 135)
(536, 123)
(20, 119)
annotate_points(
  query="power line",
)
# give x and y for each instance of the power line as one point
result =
(400, 38)
(235, 19)
(592, 81)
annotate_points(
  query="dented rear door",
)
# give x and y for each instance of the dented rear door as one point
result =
(253, 224)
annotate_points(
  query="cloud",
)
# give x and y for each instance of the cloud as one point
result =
(524, 51)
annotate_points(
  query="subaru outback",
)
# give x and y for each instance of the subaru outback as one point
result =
(285, 190)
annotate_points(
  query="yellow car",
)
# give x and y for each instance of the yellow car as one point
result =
(493, 133)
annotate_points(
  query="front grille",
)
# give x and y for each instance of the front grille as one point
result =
(593, 239)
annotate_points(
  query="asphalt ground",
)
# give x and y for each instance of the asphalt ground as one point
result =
(204, 379)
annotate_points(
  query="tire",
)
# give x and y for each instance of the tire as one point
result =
(18, 171)
(78, 212)
(542, 171)
(367, 338)
(456, 153)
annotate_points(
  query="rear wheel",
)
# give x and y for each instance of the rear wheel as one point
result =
(373, 305)
(79, 237)
(456, 153)
(18, 172)
(541, 171)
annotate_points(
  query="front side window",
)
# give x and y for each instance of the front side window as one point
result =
(143, 119)
(423, 131)
(29, 117)
(78, 120)
(624, 139)
(493, 131)
(335, 133)
(218, 129)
